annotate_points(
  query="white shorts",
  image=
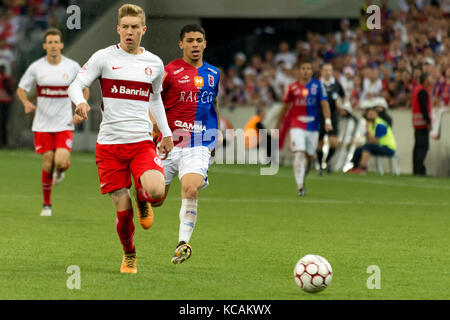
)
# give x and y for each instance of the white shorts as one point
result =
(304, 140)
(187, 160)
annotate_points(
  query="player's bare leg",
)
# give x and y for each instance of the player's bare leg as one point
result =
(61, 164)
(190, 186)
(333, 142)
(125, 228)
(300, 165)
(47, 182)
(153, 190)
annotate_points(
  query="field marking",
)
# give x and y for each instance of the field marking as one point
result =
(216, 169)
(274, 201)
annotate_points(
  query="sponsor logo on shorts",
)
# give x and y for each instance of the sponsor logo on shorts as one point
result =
(158, 161)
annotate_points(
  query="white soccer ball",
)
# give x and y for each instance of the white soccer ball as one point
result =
(313, 273)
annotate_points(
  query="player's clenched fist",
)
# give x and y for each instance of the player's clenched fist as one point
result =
(165, 146)
(82, 110)
(29, 107)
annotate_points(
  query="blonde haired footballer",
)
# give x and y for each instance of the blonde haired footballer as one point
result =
(131, 82)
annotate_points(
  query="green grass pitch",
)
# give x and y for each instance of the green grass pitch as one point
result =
(251, 230)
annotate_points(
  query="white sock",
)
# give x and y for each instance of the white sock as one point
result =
(188, 217)
(299, 166)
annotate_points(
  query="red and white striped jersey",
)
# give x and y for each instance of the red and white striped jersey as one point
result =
(54, 107)
(126, 80)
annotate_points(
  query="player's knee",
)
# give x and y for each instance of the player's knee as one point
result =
(155, 191)
(190, 191)
(61, 164)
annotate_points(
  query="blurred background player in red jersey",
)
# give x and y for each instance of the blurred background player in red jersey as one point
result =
(190, 89)
(53, 122)
(300, 115)
(131, 81)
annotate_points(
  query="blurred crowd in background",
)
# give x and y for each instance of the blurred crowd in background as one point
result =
(367, 63)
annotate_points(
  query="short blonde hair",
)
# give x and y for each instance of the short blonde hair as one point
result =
(131, 10)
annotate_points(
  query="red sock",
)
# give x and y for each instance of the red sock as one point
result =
(47, 182)
(125, 229)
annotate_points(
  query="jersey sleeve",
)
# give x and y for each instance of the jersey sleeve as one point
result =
(288, 96)
(75, 69)
(92, 69)
(29, 78)
(157, 84)
(217, 83)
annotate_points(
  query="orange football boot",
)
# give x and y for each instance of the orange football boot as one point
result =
(129, 263)
(145, 212)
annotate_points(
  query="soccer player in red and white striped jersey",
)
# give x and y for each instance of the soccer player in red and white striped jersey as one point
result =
(53, 122)
(131, 82)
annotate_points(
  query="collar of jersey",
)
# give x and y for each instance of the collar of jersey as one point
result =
(130, 54)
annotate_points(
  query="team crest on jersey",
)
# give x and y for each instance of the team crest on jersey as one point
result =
(198, 81)
(305, 92)
(65, 76)
(158, 161)
(314, 90)
(210, 80)
(148, 71)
